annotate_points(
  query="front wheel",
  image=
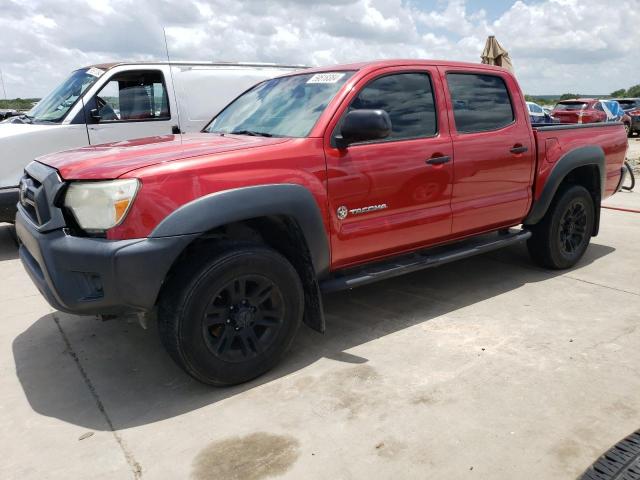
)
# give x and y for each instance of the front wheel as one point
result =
(229, 318)
(563, 235)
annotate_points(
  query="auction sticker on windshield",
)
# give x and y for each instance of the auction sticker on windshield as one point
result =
(96, 72)
(326, 77)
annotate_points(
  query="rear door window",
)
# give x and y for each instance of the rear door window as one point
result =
(480, 102)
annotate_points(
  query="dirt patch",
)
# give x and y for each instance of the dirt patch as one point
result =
(252, 457)
(390, 448)
(350, 390)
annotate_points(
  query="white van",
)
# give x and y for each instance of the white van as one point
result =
(120, 101)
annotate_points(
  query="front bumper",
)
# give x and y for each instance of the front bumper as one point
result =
(96, 276)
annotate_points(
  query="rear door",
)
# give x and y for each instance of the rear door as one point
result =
(392, 195)
(493, 147)
(130, 104)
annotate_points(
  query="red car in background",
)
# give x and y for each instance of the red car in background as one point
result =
(580, 110)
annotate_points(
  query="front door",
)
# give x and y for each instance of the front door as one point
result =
(392, 195)
(132, 104)
(494, 151)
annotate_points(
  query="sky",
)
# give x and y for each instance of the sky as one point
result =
(557, 46)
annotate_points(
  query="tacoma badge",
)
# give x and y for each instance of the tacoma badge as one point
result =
(370, 208)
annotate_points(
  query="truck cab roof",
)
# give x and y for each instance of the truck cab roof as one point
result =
(377, 64)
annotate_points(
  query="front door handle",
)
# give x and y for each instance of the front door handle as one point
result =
(519, 149)
(437, 160)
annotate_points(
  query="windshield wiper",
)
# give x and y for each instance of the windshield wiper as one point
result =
(24, 118)
(253, 133)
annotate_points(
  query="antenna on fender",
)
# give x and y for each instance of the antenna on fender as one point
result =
(177, 129)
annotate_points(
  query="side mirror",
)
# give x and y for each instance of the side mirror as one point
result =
(95, 114)
(363, 125)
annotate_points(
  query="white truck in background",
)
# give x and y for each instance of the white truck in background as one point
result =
(120, 101)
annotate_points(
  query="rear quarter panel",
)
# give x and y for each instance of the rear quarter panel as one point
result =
(553, 144)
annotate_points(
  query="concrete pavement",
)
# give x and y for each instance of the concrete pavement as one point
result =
(489, 368)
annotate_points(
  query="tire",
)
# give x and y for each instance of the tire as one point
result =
(563, 235)
(213, 334)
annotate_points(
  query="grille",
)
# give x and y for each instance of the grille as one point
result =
(38, 190)
(30, 190)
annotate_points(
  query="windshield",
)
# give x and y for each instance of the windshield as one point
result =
(55, 106)
(571, 106)
(280, 107)
(628, 104)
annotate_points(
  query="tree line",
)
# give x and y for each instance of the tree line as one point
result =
(18, 103)
(631, 92)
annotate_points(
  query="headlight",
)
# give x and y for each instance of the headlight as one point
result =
(98, 206)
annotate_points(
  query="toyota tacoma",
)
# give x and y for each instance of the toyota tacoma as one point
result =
(311, 182)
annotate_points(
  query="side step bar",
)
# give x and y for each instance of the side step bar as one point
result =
(433, 257)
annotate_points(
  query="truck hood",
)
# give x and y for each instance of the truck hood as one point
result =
(115, 159)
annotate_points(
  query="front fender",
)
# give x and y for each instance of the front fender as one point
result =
(229, 206)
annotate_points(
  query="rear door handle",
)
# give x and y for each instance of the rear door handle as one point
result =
(437, 160)
(519, 149)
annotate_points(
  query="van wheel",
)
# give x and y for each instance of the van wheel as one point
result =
(230, 318)
(563, 235)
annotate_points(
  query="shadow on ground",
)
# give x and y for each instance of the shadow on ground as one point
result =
(8, 245)
(139, 384)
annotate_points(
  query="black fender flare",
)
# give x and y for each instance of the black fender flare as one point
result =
(588, 155)
(228, 206)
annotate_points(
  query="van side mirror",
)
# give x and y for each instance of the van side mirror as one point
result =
(363, 125)
(95, 114)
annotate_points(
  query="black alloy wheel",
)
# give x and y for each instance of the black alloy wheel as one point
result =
(573, 228)
(243, 319)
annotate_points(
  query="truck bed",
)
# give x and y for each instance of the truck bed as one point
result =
(554, 141)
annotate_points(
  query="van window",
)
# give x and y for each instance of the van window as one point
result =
(480, 102)
(407, 98)
(133, 96)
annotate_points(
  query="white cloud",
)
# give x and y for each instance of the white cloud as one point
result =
(585, 46)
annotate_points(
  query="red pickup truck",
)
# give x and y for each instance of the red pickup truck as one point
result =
(312, 182)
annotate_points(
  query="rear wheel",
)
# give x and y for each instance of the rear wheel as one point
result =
(563, 235)
(232, 317)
